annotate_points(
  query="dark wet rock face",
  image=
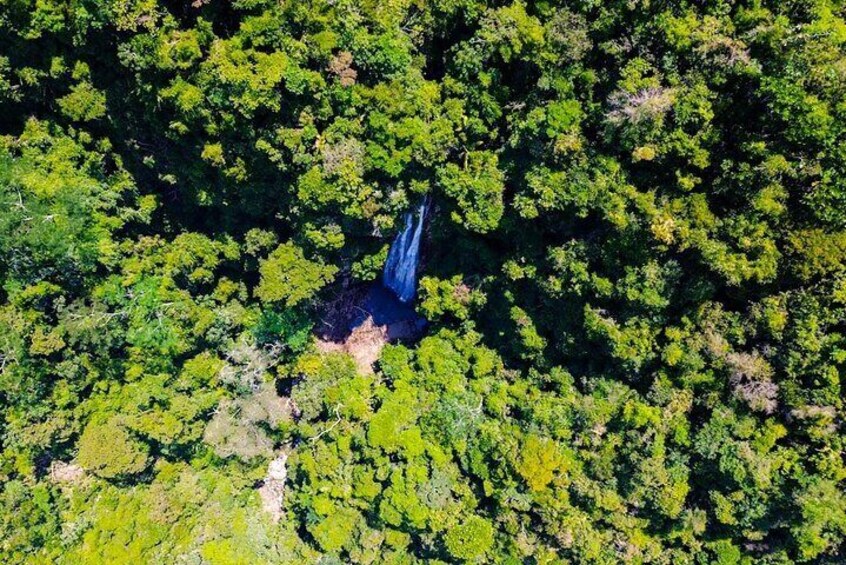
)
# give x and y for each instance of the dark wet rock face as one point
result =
(386, 309)
(372, 304)
(366, 318)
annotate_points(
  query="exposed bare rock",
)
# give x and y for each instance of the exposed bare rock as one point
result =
(364, 344)
(361, 321)
(63, 472)
(272, 490)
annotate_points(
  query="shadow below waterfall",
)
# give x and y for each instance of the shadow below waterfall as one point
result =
(387, 310)
(363, 319)
(370, 305)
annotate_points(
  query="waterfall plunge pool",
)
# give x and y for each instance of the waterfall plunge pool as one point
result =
(386, 306)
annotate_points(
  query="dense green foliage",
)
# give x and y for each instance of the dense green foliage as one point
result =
(635, 273)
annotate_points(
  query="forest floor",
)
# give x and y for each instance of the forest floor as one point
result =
(362, 319)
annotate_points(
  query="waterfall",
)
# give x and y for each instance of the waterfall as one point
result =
(400, 273)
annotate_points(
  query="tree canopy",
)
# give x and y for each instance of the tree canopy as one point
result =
(634, 276)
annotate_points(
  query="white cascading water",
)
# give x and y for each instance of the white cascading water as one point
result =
(400, 274)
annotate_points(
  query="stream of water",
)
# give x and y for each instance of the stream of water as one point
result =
(400, 274)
